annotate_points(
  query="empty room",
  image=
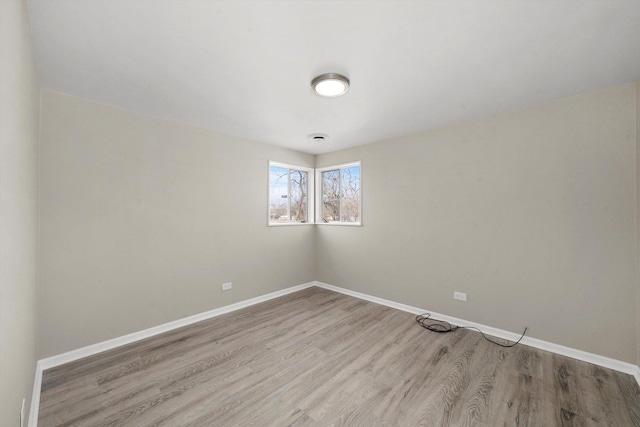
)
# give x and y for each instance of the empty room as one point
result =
(319, 213)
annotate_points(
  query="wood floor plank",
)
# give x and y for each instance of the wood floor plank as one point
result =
(631, 395)
(484, 368)
(270, 375)
(320, 358)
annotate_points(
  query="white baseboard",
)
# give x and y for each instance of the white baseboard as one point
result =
(35, 397)
(606, 362)
(90, 350)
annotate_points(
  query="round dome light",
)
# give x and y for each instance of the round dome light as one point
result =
(330, 85)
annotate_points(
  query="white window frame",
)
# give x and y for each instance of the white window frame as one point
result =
(310, 194)
(319, 204)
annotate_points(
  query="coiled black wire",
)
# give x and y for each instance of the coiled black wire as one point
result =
(443, 326)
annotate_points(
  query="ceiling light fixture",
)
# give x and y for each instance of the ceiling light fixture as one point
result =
(330, 85)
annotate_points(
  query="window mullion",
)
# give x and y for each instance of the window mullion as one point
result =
(340, 195)
(289, 194)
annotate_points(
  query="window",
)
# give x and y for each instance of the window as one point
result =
(289, 194)
(339, 194)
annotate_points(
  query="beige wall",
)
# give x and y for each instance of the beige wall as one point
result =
(531, 213)
(19, 112)
(638, 221)
(143, 219)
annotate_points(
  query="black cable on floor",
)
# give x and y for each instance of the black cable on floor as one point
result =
(444, 327)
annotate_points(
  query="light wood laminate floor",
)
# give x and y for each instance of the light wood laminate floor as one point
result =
(319, 358)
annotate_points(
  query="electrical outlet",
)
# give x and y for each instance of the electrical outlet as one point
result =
(22, 413)
(226, 286)
(460, 296)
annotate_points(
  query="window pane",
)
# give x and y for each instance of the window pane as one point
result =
(278, 194)
(298, 195)
(350, 185)
(331, 195)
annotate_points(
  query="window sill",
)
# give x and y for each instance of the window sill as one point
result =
(343, 224)
(288, 224)
(295, 224)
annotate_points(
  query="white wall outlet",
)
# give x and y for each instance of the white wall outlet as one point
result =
(22, 413)
(460, 295)
(226, 286)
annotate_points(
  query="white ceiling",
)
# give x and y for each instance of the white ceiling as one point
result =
(244, 68)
